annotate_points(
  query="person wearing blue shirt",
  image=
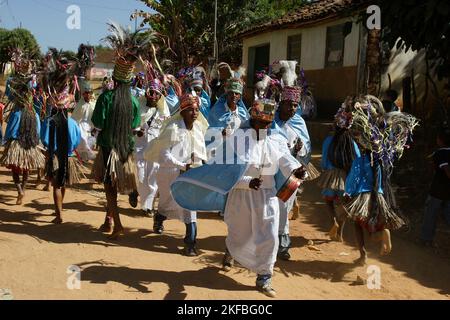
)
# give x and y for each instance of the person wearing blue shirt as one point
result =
(338, 152)
(289, 123)
(22, 134)
(61, 137)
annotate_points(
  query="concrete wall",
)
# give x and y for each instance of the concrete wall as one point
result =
(329, 85)
(411, 64)
(313, 45)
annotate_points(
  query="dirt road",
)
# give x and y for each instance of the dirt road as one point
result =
(35, 256)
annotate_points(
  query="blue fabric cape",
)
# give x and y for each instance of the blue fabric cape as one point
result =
(206, 188)
(74, 135)
(297, 123)
(13, 126)
(219, 117)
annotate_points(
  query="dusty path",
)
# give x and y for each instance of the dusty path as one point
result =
(35, 255)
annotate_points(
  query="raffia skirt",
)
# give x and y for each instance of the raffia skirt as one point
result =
(373, 212)
(312, 172)
(108, 168)
(75, 173)
(16, 157)
(333, 179)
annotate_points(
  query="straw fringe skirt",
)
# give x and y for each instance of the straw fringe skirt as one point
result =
(75, 170)
(374, 212)
(27, 159)
(122, 175)
(332, 179)
(312, 172)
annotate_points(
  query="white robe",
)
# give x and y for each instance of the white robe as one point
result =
(252, 216)
(173, 158)
(147, 170)
(286, 207)
(82, 114)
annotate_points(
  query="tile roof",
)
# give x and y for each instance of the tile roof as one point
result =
(310, 13)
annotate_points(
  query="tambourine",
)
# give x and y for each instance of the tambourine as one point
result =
(289, 187)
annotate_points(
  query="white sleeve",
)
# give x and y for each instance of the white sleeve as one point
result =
(287, 162)
(167, 157)
(244, 183)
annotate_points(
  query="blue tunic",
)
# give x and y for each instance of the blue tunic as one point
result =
(74, 135)
(360, 179)
(13, 126)
(326, 164)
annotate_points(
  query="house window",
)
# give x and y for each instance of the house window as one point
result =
(294, 47)
(335, 46)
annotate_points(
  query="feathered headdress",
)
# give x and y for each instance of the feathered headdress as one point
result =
(129, 47)
(85, 59)
(290, 89)
(21, 61)
(59, 81)
(236, 83)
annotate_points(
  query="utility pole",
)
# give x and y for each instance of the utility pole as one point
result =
(216, 49)
(135, 20)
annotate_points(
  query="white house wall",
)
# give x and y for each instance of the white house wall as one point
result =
(313, 45)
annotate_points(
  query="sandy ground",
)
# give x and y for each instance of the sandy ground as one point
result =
(35, 256)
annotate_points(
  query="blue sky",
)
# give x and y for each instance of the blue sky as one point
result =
(46, 19)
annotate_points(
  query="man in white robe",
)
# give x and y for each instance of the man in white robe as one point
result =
(82, 114)
(252, 210)
(154, 111)
(180, 146)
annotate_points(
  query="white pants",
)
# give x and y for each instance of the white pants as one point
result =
(252, 217)
(167, 205)
(147, 185)
(87, 142)
(285, 208)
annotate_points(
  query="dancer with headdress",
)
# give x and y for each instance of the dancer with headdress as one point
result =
(62, 135)
(382, 138)
(22, 152)
(290, 124)
(180, 146)
(245, 188)
(229, 112)
(116, 115)
(338, 152)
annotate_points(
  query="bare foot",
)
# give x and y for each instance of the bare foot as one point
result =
(57, 220)
(106, 227)
(333, 233)
(361, 261)
(386, 244)
(116, 234)
(20, 198)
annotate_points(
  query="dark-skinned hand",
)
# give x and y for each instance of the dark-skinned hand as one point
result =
(300, 173)
(255, 183)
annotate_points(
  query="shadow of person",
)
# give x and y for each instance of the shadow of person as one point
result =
(333, 271)
(100, 272)
(145, 239)
(68, 232)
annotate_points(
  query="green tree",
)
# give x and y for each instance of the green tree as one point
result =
(18, 37)
(188, 25)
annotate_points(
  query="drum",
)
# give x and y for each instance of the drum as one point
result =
(288, 188)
